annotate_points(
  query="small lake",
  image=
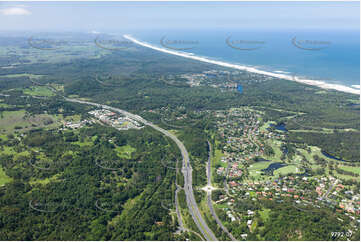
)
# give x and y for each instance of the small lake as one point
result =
(259, 159)
(274, 166)
(280, 127)
(239, 88)
(331, 156)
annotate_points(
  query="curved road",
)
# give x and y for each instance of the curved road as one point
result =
(186, 169)
(209, 195)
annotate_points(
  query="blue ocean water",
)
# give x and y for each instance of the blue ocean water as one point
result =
(327, 55)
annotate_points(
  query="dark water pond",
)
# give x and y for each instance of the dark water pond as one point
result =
(331, 156)
(260, 159)
(280, 127)
(274, 166)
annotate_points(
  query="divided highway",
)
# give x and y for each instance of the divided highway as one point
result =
(186, 169)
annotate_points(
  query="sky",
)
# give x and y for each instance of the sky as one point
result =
(122, 16)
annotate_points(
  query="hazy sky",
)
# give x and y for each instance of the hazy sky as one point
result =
(118, 16)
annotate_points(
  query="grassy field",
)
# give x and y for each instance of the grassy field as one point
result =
(355, 170)
(4, 105)
(38, 91)
(254, 170)
(275, 144)
(216, 158)
(317, 151)
(44, 181)
(4, 178)
(125, 151)
(83, 143)
(9, 120)
(33, 76)
(266, 125)
(3, 137)
(64, 54)
(287, 169)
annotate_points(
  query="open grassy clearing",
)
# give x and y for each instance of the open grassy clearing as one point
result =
(275, 144)
(18, 120)
(355, 170)
(266, 125)
(4, 178)
(287, 169)
(65, 53)
(254, 170)
(125, 151)
(44, 181)
(38, 91)
(33, 76)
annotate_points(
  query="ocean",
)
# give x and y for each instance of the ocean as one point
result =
(329, 56)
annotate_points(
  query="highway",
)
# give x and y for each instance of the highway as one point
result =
(209, 195)
(186, 168)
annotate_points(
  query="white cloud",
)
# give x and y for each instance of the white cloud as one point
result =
(14, 11)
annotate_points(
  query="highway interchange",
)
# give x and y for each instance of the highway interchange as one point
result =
(186, 168)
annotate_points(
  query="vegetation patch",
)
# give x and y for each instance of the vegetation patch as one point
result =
(38, 91)
(4, 178)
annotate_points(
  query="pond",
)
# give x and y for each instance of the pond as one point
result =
(239, 88)
(331, 156)
(259, 159)
(274, 166)
(280, 127)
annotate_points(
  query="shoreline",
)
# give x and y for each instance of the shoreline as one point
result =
(320, 84)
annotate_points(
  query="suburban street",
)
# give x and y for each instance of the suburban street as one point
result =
(186, 169)
(209, 195)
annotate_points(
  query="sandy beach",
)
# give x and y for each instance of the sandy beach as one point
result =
(320, 84)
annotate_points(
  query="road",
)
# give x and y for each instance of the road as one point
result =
(209, 195)
(186, 169)
(180, 221)
(225, 179)
(329, 190)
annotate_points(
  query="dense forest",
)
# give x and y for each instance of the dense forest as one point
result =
(93, 183)
(83, 178)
